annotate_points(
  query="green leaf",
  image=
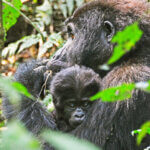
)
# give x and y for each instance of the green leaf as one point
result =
(145, 129)
(53, 39)
(67, 142)
(12, 90)
(44, 13)
(113, 94)
(125, 40)
(20, 45)
(70, 5)
(63, 8)
(47, 101)
(28, 41)
(10, 15)
(79, 2)
(18, 138)
(7, 88)
(21, 89)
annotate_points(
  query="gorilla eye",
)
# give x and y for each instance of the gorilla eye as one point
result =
(70, 31)
(110, 30)
(72, 105)
(85, 104)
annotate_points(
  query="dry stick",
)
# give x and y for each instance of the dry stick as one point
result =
(26, 18)
(44, 85)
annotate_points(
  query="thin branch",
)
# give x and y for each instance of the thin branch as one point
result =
(26, 18)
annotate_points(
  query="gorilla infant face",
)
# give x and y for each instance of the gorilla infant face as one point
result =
(71, 89)
(75, 110)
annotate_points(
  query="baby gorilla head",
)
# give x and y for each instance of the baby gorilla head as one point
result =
(71, 89)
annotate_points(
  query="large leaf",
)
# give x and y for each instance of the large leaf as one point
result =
(7, 88)
(67, 142)
(125, 40)
(10, 15)
(53, 39)
(112, 94)
(21, 89)
(20, 45)
(12, 89)
(16, 137)
(145, 129)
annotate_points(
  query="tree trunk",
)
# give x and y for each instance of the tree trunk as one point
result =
(1, 29)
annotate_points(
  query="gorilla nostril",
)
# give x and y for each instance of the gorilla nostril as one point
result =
(79, 115)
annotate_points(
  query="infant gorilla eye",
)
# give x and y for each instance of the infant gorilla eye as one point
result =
(86, 104)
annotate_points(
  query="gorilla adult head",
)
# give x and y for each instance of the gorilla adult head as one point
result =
(90, 30)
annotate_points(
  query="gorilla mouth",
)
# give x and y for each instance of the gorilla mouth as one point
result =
(76, 121)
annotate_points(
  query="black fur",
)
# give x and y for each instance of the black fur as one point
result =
(73, 85)
(110, 124)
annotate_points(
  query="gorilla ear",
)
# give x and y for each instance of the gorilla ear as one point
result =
(110, 30)
(56, 102)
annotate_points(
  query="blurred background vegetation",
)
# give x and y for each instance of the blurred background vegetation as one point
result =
(22, 40)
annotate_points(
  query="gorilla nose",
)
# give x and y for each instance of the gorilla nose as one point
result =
(79, 115)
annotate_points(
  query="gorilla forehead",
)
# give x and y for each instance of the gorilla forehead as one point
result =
(73, 80)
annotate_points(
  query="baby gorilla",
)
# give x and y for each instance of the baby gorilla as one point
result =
(71, 90)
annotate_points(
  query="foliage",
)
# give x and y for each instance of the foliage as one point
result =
(67, 6)
(24, 140)
(17, 135)
(122, 92)
(125, 40)
(7, 88)
(67, 142)
(115, 93)
(28, 41)
(53, 39)
(12, 89)
(44, 13)
(47, 101)
(20, 45)
(21, 89)
(145, 129)
(10, 15)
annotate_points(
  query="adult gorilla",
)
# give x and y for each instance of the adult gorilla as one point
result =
(91, 29)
